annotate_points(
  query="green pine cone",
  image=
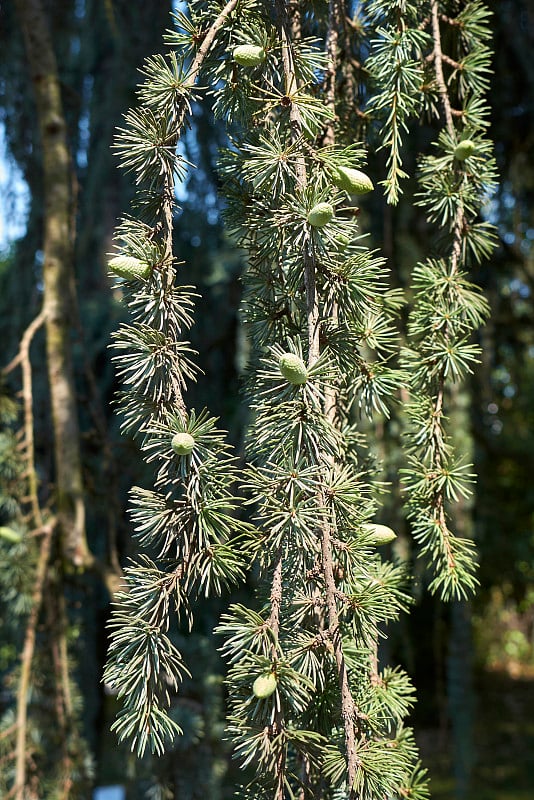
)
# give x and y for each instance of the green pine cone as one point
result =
(465, 149)
(182, 444)
(264, 685)
(249, 55)
(129, 268)
(381, 534)
(320, 215)
(352, 181)
(293, 368)
(10, 535)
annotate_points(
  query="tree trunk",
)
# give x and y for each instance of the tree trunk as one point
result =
(58, 279)
(460, 690)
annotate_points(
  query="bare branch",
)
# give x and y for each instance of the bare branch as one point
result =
(27, 658)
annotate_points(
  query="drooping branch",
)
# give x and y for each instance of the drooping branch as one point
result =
(208, 39)
(348, 707)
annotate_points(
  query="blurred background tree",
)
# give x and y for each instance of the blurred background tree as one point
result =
(99, 47)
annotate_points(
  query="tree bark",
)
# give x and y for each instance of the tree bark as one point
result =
(58, 279)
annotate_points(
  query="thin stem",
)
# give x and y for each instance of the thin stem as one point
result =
(438, 66)
(23, 358)
(168, 186)
(348, 706)
(26, 659)
(439, 500)
(274, 624)
(312, 304)
(332, 37)
(276, 599)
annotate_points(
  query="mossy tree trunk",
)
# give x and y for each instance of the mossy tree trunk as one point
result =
(58, 279)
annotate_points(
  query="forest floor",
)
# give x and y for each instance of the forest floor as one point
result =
(504, 742)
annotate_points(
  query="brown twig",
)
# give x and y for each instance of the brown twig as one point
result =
(274, 624)
(332, 37)
(23, 359)
(7, 732)
(26, 661)
(334, 22)
(169, 188)
(438, 500)
(438, 66)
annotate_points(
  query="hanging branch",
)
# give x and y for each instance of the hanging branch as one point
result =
(335, 14)
(187, 517)
(348, 707)
(438, 501)
(276, 597)
(437, 55)
(312, 304)
(448, 308)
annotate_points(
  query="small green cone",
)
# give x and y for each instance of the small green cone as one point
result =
(464, 149)
(10, 535)
(248, 55)
(381, 534)
(129, 268)
(182, 444)
(352, 181)
(293, 368)
(264, 685)
(320, 215)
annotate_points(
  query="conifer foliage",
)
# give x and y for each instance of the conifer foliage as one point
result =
(310, 709)
(442, 67)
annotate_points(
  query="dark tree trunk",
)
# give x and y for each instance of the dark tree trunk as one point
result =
(58, 279)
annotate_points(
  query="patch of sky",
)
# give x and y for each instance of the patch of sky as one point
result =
(180, 184)
(509, 391)
(84, 125)
(203, 192)
(15, 197)
(496, 427)
(109, 793)
(79, 9)
(75, 46)
(518, 287)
